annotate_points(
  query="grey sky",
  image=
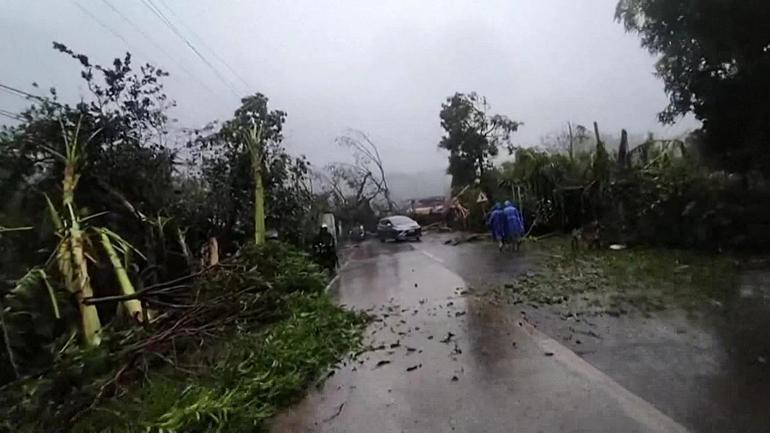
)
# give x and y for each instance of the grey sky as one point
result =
(383, 67)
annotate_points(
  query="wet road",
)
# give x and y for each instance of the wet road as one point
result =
(446, 360)
(708, 369)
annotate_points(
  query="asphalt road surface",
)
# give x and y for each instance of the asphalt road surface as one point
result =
(446, 359)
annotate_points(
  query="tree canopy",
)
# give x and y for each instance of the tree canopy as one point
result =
(473, 136)
(715, 63)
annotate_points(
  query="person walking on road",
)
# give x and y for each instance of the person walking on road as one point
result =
(514, 225)
(496, 224)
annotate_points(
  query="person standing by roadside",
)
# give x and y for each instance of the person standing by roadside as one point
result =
(514, 225)
(496, 224)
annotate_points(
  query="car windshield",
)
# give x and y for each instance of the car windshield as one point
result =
(401, 220)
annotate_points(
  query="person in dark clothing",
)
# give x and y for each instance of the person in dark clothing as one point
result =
(325, 249)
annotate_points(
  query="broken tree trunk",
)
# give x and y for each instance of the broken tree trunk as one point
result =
(623, 150)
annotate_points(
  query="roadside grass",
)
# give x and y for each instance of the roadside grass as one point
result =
(644, 278)
(239, 383)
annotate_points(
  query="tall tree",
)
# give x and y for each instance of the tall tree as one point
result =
(715, 63)
(228, 158)
(473, 136)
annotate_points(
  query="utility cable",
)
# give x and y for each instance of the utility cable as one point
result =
(206, 46)
(158, 13)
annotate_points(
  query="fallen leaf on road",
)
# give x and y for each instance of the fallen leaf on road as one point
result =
(430, 337)
(459, 313)
(448, 337)
(410, 349)
(414, 367)
(455, 378)
(382, 362)
(548, 353)
(336, 414)
(396, 344)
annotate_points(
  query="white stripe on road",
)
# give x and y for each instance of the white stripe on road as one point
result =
(337, 275)
(432, 257)
(636, 407)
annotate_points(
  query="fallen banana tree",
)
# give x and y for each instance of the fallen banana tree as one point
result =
(77, 245)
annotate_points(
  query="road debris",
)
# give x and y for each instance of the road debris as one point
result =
(336, 413)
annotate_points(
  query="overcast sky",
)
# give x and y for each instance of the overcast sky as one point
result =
(383, 67)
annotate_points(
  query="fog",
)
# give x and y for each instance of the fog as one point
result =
(381, 67)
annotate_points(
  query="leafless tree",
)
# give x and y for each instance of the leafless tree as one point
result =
(368, 166)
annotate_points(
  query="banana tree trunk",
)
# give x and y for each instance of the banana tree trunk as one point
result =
(255, 149)
(133, 306)
(89, 316)
(72, 260)
(259, 208)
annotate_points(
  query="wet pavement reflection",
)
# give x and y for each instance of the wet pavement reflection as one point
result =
(444, 359)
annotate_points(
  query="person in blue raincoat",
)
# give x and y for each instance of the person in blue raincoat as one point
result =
(496, 224)
(514, 225)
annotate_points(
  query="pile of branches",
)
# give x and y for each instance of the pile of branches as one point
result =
(242, 294)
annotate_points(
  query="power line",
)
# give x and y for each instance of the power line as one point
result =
(182, 68)
(11, 115)
(197, 52)
(158, 46)
(203, 42)
(158, 13)
(19, 92)
(118, 35)
(100, 22)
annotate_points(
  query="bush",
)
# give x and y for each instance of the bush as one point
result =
(245, 339)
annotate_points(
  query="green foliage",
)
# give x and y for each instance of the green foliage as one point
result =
(129, 183)
(226, 173)
(262, 328)
(661, 195)
(245, 379)
(643, 278)
(473, 136)
(715, 63)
